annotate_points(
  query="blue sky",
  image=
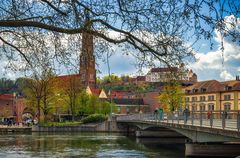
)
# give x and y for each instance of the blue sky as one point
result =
(209, 64)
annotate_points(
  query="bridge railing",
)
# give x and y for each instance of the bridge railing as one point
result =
(214, 119)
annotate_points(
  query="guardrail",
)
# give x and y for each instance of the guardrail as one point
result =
(229, 120)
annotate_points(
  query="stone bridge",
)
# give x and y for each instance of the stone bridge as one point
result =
(198, 126)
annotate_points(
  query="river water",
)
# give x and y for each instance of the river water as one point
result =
(86, 145)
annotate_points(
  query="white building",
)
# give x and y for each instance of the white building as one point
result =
(165, 74)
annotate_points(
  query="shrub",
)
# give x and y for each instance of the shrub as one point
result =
(56, 124)
(94, 118)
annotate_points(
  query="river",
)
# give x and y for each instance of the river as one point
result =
(85, 145)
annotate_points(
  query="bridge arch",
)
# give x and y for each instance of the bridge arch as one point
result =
(27, 113)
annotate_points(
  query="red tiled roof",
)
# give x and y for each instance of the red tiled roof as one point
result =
(95, 91)
(6, 96)
(214, 86)
(118, 94)
(67, 77)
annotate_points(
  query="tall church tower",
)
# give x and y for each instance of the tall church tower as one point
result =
(87, 62)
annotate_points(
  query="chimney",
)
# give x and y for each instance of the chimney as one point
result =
(237, 77)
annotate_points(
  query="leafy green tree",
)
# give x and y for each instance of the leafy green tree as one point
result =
(107, 107)
(83, 103)
(70, 92)
(39, 92)
(171, 96)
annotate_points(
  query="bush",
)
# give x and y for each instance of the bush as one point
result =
(94, 118)
(57, 124)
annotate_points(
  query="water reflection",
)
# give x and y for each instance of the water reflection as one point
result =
(100, 145)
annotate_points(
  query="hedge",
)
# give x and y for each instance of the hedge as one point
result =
(94, 118)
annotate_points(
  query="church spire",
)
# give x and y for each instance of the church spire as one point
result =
(87, 61)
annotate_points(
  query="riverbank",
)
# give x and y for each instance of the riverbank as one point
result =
(106, 126)
(22, 129)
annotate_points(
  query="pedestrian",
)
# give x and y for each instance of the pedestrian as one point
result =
(160, 111)
(155, 114)
(186, 114)
(209, 114)
(224, 114)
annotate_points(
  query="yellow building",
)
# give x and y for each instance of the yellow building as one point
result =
(213, 95)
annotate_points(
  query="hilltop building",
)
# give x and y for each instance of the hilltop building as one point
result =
(165, 74)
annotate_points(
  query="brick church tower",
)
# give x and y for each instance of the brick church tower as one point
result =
(87, 62)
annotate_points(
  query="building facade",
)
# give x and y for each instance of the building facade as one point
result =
(166, 74)
(12, 107)
(213, 95)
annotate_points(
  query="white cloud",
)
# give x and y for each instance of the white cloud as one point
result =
(225, 75)
(221, 65)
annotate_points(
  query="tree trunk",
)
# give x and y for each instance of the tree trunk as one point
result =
(39, 110)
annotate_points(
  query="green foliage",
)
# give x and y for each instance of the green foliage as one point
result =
(94, 118)
(171, 97)
(91, 104)
(7, 86)
(58, 124)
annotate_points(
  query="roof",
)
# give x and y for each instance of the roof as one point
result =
(9, 97)
(129, 101)
(141, 78)
(67, 77)
(234, 84)
(6, 96)
(209, 86)
(214, 86)
(118, 94)
(95, 91)
(164, 69)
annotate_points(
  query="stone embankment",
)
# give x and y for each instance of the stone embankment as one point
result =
(22, 129)
(107, 126)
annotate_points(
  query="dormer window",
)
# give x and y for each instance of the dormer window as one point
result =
(228, 88)
(195, 90)
(203, 89)
(187, 91)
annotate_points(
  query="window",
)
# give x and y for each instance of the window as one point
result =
(228, 88)
(203, 89)
(211, 107)
(194, 108)
(188, 91)
(227, 97)
(227, 107)
(202, 107)
(127, 110)
(202, 98)
(187, 99)
(195, 90)
(194, 98)
(91, 77)
(211, 97)
(119, 109)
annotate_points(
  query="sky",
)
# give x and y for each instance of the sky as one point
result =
(211, 64)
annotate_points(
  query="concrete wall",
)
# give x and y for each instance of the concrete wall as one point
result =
(107, 126)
